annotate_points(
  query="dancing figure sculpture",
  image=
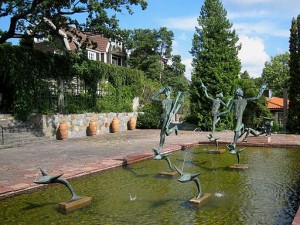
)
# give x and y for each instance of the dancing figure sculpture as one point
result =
(266, 128)
(217, 102)
(240, 104)
(169, 109)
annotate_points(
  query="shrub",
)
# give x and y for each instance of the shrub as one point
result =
(150, 119)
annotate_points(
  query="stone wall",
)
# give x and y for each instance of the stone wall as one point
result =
(78, 123)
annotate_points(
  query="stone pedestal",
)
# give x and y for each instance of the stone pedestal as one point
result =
(201, 199)
(67, 207)
(238, 167)
(169, 174)
(217, 151)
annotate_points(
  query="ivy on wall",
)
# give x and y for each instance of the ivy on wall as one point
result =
(29, 78)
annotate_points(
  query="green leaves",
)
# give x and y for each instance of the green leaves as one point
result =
(29, 16)
(294, 81)
(277, 73)
(30, 79)
(215, 57)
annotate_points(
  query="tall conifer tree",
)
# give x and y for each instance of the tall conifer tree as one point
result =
(215, 59)
(294, 92)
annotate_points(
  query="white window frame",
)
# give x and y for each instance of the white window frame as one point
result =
(92, 55)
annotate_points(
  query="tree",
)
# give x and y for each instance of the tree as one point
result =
(150, 51)
(174, 75)
(277, 73)
(245, 75)
(142, 45)
(294, 81)
(39, 17)
(215, 58)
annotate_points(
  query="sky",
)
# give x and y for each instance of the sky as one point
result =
(263, 27)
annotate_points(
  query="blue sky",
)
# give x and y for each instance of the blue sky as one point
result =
(262, 26)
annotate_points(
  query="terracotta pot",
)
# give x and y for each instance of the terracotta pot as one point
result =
(132, 123)
(93, 128)
(115, 125)
(63, 131)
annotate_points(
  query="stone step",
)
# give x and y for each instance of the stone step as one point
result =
(19, 139)
(17, 133)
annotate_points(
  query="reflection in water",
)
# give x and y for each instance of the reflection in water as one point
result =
(267, 193)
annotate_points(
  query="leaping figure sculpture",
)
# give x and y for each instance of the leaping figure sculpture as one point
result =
(169, 109)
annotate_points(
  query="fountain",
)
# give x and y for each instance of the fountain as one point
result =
(267, 193)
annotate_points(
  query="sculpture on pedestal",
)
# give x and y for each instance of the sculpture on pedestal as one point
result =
(265, 128)
(217, 102)
(240, 104)
(49, 179)
(169, 109)
(186, 177)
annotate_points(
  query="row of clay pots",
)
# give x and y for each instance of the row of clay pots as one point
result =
(62, 132)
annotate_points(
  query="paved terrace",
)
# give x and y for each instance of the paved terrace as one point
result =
(77, 157)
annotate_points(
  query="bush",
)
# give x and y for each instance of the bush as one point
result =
(150, 119)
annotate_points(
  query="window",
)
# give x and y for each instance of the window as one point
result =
(91, 55)
(102, 57)
(116, 61)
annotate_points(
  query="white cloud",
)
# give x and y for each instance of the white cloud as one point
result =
(249, 2)
(253, 55)
(188, 68)
(255, 14)
(279, 8)
(260, 28)
(183, 37)
(180, 23)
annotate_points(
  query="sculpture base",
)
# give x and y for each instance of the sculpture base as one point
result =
(67, 207)
(198, 201)
(217, 151)
(169, 174)
(238, 167)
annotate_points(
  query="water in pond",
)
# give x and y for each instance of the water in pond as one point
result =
(267, 193)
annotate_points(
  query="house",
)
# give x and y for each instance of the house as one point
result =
(276, 106)
(98, 47)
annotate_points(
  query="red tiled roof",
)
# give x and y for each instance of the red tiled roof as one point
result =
(275, 103)
(44, 47)
(101, 41)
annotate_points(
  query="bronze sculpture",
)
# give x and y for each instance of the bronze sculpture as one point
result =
(217, 102)
(211, 138)
(266, 128)
(49, 179)
(169, 109)
(186, 177)
(240, 104)
(235, 151)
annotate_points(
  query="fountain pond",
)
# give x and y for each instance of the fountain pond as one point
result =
(266, 193)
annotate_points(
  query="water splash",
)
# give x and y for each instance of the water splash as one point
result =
(132, 198)
(219, 194)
